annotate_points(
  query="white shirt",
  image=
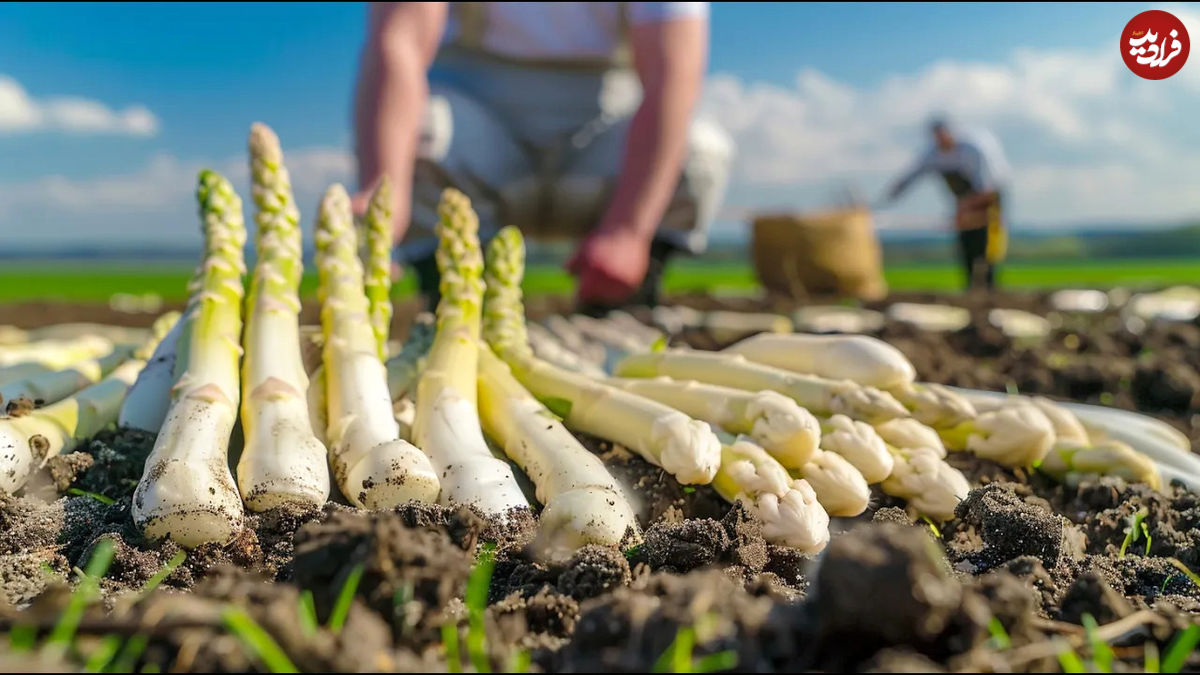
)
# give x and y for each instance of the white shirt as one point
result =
(976, 163)
(564, 31)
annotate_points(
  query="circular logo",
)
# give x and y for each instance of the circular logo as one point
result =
(1155, 44)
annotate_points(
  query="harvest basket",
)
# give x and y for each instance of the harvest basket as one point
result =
(825, 253)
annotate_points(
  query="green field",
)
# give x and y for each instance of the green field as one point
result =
(87, 282)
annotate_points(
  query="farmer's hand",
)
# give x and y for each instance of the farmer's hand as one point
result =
(611, 264)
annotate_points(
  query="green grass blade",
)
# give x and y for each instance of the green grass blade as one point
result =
(134, 647)
(1102, 654)
(1180, 649)
(107, 501)
(89, 587)
(1069, 660)
(677, 658)
(726, 660)
(932, 526)
(161, 575)
(307, 607)
(22, 638)
(99, 659)
(478, 585)
(521, 660)
(1151, 657)
(1186, 570)
(257, 640)
(450, 645)
(1000, 639)
(341, 608)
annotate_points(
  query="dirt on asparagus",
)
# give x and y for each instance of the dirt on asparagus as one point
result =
(1007, 584)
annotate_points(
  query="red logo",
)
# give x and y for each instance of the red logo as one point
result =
(1155, 44)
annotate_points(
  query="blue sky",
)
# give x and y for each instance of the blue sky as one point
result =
(175, 86)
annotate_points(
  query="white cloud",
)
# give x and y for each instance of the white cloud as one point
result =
(1087, 139)
(154, 205)
(21, 113)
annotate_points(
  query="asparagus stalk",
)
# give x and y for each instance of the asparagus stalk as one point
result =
(1069, 461)
(447, 422)
(1067, 427)
(546, 346)
(616, 340)
(570, 335)
(378, 283)
(721, 325)
(909, 433)
(282, 460)
(865, 360)
(1157, 440)
(186, 492)
(859, 444)
(77, 329)
(404, 370)
(23, 371)
(583, 503)
(933, 404)
(627, 322)
(725, 325)
(145, 405)
(372, 466)
(840, 488)
(791, 514)
(932, 487)
(819, 395)
(1017, 434)
(684, 447)
(28, 440)
(11, 335)
(52, 386)
(58, 384)
(789, 433)
(54, 354)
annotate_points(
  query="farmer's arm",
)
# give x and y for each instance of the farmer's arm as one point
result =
(390, 100)
(906, 180)
(670, 57)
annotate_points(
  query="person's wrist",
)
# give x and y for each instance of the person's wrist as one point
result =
(628, 229)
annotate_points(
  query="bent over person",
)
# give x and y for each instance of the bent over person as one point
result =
(566, 119)
(973, 166)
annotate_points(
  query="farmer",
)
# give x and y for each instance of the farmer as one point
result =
(976, 172)
(567, 119)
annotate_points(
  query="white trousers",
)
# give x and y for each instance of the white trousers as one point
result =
(541, 147)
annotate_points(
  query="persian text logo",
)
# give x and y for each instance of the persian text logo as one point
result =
(1155, 44)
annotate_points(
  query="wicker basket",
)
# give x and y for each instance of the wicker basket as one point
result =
(824, 253)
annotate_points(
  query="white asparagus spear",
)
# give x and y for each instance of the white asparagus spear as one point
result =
(372, 466)
(583, 503)
(186, 492)
(686, 448)
(786, 431)
(791, 514)
(447, 425)
(865, 360)
(282, 460)
(819, 395)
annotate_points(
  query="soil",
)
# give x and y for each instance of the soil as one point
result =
(1002, 586)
